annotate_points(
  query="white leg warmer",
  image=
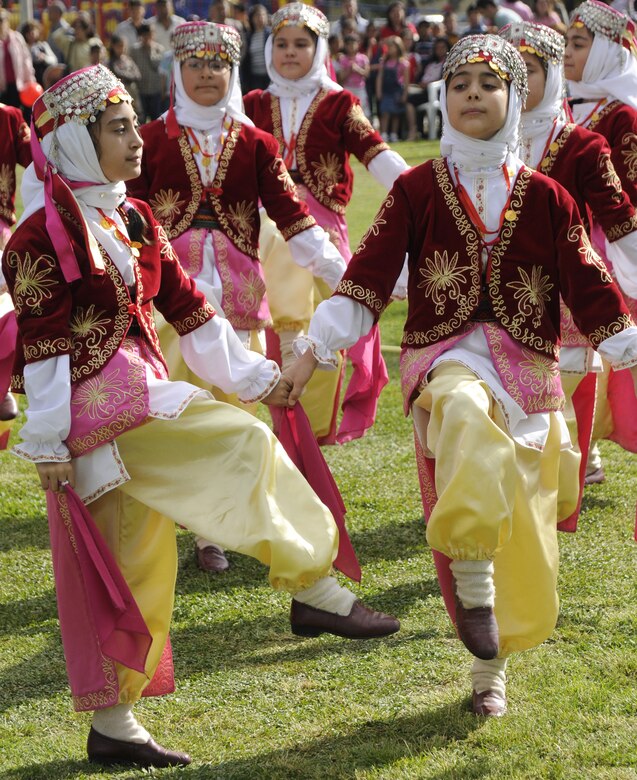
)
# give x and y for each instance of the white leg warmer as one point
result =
(474, 580)
(328, 595)
(119, 723)
(489, 675)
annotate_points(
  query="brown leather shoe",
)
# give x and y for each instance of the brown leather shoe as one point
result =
(8, 408)
(361, 623)
(595, 477)
(108, 751)
(211, 559)
(489, 704)
(477, 629)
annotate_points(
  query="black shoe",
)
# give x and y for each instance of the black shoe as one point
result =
(361, 623)
(108, 751)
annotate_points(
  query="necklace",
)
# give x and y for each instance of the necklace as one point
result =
(290, 146)
(109, 224)
(506, 213)
(594, 115)
(549, 146)
(197, 148)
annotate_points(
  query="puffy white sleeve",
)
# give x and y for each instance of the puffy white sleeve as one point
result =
(386, 167)
(215, 353)
(312, 249)
(623, 255)
(620, 350)
(337, 323)
(47, 384)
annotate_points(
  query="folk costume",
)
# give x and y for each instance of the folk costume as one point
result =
(208, 202)
(491, 245)
(318, 125)
(580, 161)
(147, 452)
(605, 102)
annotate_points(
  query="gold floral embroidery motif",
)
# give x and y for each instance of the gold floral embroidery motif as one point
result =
(283, 175)
(166, 205)
(90, 326)
(328, 171)
(377, 224)
(6, 182)
(532, 293)
(357, 122)
(442, 274)
(242, 217)
(98, 395)
(629, 153)
(251, 290)
(610, 177)
(538, 372)
(31, 283)
(577, 235)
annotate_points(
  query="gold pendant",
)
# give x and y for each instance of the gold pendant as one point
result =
(105, 224)
(511, 215)
(134, 251)
(206, 162)
(553, 147)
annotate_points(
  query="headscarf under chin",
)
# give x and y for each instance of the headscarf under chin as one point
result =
(189, 113)
(610, 72)
(474, 154)
(539, 120)
(316, 78)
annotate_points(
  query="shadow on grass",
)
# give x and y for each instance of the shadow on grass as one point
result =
(370, 746)
(28, 616)
(20, 533)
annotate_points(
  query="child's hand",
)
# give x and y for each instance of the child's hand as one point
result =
(279, 396)
(54, 476)
(300, 373)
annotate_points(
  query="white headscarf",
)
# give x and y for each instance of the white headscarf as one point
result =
(610, 72)
(474, 154)
(316, 78)
(539, 120)
(208, 118)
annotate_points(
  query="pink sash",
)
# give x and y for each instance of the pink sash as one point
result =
(100, 622)
(295, 434)
(8, 335)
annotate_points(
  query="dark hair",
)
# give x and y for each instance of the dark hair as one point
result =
(138, 228)
(144, 28)
(485, 4)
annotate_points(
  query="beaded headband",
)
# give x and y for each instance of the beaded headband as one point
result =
(206, 39)
(545, 43)
(499, 55)
(79, 98)
(301, 15)
(603, 20)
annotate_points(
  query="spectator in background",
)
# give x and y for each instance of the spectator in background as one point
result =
(123, 66)
(57, 22)
(164, 22)
(392, 87)
(546, 14)
(475, 24)
(42, 55)
(16, 66)
(495, 16)
(129, 28)
(335, 49)
(354, 70)
(350, 11)
(450, 22)
(396, 21)
(425, 44)
(76, 50)
(98, 52)
(521, 9)
(413, 74)
(375, 51)
(147, 55)
(165, 71)
(254, 74)
(432, 71)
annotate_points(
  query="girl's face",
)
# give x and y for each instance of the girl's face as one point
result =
(541, 7)
(578, 45)
(293, 52)
(117, 142)
(397, 15)
(118, 48)
(206, 81)
(393, 52)
(537, 80)
(351, 47)
(477, 101)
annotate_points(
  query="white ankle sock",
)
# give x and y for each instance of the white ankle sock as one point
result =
(119, 723)
(328, 595)
(474, 580)
(203, 543)
(489, 675)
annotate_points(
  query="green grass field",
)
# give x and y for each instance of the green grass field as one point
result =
(255, 702)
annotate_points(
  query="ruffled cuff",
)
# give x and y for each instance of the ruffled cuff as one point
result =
(42, 451)
(263, 385)
(326, 358)
(620, 350)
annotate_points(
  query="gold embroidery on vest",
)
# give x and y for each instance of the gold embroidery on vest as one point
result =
(599, 115)
(439, 275)
(554, 149)
(196, 188)
(32, 285)
(610, 177)
(532, 293)
(577, 235)
(379, 221)
(629, 153)
(503, 364)
(357, 122)
(89, 327)
(166, 205)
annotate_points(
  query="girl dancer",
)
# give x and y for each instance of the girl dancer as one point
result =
(491, 245)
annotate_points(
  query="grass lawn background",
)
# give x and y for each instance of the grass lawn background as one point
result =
(253, 701)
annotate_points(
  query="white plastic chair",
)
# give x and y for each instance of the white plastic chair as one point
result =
(432, 106)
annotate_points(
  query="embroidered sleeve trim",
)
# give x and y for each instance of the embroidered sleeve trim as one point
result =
(298, 227)
(361, 294)
(46, 348)
(194, 320)
(266, 392)
(606, 331)
(619, 231)
(372, 152)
